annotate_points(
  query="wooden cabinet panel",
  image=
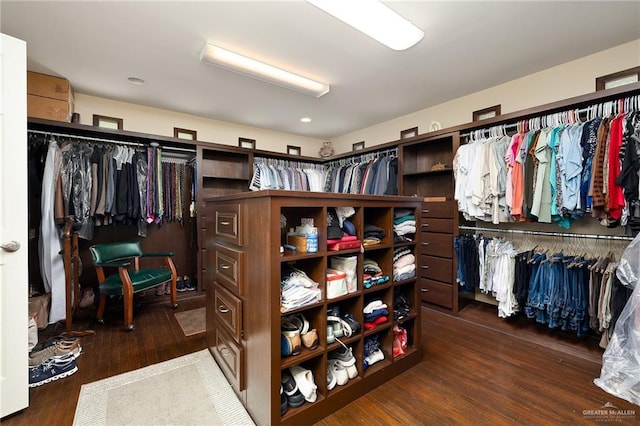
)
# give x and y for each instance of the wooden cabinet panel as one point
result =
(436, 292)
(227, 223)
(437, 225)
(228, 309)
(436, 268)
(230, 357)
(229, 267)
(442, 209)
(435, 244)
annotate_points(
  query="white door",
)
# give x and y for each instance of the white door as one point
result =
(14, 379)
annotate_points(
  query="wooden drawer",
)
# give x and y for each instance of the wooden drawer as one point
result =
(228, 309)
(442, 209)
(229, 266)
(437, 225)
(435, 244)
(436, 268)
(227, 223)
(436, 293)
(230, 357)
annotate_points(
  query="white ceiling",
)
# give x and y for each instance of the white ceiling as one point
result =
(468, 46)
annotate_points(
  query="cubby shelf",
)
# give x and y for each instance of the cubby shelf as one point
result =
(257, 362)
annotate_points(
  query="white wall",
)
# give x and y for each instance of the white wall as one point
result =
(138, 118)
(564, 81)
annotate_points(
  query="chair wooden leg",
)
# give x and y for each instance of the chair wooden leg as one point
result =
(127, 295)
(128, 311)
(101, 306)
(174, 292)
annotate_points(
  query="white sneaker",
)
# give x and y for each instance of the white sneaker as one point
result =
(341, 375)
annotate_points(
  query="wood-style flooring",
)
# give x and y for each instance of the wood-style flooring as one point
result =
(476, 370)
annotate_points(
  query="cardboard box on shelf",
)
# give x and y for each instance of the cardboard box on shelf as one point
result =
(48, 86)
(47, 108)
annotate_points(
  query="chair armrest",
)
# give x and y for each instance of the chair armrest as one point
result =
(113, 264)
(158, 254)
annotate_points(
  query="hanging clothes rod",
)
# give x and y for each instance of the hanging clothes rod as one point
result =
(546, 233)
(628, 103)
(515, 125)
(64, 135)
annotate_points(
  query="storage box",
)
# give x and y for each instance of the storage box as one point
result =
(49, 97)
(299, 241)
(48, 86)
(48, 108)
(336, 283)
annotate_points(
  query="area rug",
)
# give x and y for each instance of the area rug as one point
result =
(192, 321)
(189, 390)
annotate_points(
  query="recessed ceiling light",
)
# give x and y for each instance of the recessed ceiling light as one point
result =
(306, 119)
(137, 81)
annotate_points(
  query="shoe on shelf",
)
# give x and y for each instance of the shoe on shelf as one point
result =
(333, 313)
(308, 335)
(58, 349)
(284, 403)
(310, 339)
(339, 373)
(290, 341)
(52, 369)
(300, 321)
(349, 324)
(180, 285)
(330, 337)
(337, 329)
(304, 380)
(376, 356)
(331, 379)
(344, 357)
(290, 388)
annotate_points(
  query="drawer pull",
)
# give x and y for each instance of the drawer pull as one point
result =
(425, 244)
(224, 351)
(224, 266)
(223, 309)
(225, 223)
(424, 290)
(426, 225)
(425, 266)
(425, 211)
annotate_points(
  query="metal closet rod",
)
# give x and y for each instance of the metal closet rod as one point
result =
(630, 101)
(547, 233)
(64, 135)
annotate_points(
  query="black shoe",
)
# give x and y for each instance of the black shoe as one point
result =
(294, 396)
(349, 324)
(284, 403)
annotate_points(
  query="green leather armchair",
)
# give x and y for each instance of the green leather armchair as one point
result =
(119, 274)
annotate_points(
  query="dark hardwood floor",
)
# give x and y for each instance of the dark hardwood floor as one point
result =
(474, 371)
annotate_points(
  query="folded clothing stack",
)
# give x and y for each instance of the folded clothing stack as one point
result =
(372, 274)
(404, 264)
(372, 235)
(345, 242)
(297, 290)
(404, 225)
(375, 313)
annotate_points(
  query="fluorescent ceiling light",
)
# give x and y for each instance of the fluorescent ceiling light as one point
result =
(375, 20)
(232, 61)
